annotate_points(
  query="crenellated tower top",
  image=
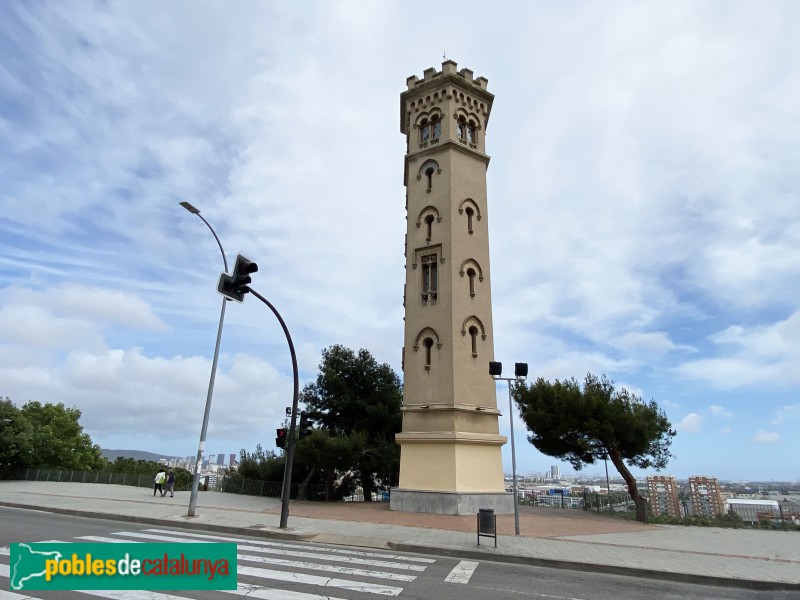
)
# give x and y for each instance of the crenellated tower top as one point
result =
(448, 88)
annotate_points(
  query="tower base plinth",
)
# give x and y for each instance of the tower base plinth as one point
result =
(450, 503)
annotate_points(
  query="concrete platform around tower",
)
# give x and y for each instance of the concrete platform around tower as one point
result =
(450, 503)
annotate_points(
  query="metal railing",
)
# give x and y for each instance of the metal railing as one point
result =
(100, 477)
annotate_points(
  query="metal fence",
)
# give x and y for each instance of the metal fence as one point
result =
(617, 502)
(104, 477)
(298, 491)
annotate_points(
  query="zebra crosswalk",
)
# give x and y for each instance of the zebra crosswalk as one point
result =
(270, 570)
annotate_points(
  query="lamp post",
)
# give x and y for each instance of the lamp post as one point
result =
(204, 429)
(520, 372)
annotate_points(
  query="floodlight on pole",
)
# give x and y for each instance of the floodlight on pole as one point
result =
(520, 372)
(204, 428)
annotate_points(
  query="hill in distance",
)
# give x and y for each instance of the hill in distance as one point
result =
(112, 455)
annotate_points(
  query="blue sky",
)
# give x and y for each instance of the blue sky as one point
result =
(644, 212)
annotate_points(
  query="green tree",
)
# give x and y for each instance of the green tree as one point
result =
(58, 440)
(581, 424)
(354, 395)
(261, 465)
(329, 454)
(16, 435)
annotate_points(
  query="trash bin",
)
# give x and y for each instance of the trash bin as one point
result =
(486, 520)
(487, 525)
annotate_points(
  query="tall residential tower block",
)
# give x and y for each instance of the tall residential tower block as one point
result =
(450, 459)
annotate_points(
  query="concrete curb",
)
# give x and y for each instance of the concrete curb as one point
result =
(486, 555)
(554, 563)
(269, 533)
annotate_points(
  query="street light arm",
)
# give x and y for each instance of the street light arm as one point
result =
(196, 211)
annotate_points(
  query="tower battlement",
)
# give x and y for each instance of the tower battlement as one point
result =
(449, 67)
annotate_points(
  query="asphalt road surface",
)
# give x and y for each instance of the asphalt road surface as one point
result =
(278, 570)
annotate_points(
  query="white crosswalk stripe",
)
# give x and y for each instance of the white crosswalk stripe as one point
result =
(462, 572)
(274, 550)
(253, 558)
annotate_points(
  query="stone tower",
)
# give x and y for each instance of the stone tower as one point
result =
(450, 460)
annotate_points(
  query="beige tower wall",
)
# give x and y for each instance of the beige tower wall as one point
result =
(450, 443)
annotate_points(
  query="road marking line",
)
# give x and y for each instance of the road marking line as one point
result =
(5, 571)
(462, 572)
(242, 589)
(290, 563)
(270, 550)
(302, 547)
(256, 591)
(4, 595)
(344, 584)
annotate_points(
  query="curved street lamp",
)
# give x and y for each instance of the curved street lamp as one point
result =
(204, 429)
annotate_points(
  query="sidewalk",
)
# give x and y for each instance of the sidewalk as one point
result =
(570, 539)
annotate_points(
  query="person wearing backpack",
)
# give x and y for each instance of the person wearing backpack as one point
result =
(159, 482)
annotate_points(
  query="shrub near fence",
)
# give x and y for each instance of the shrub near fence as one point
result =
(270, 489)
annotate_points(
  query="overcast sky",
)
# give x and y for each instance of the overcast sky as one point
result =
(644, 213)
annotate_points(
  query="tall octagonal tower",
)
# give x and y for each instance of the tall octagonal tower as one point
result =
(450, 460)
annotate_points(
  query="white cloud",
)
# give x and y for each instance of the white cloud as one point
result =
(764, 355)
(690, 423)
(719, 411)
(766, 437)
(785, 413)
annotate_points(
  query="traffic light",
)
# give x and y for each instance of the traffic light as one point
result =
(281, 437)
(234, 286)
(305, 425)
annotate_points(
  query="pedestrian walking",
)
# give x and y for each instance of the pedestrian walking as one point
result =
(159, 482)
(170, 485)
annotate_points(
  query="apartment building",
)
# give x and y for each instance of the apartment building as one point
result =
(663, 496)
(706, 496)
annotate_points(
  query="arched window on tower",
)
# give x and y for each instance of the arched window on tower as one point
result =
(427, 343)
(473, 334)
(429, 175)
(470, 214)
(429, 226)
(424, 131)
(436, 128)
(471, 274)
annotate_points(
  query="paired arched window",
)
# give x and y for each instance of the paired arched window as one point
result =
(465, 130)
(430, 129)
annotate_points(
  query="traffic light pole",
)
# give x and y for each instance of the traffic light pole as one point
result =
(287, 473)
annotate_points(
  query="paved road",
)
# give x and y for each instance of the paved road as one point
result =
(274, 570)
